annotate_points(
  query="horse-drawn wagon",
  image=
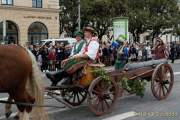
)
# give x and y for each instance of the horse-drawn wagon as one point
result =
(101, 94)
(21, 78)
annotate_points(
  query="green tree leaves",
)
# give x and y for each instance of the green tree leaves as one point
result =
(157, 16)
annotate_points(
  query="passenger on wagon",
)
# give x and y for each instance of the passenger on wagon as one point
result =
(82, 53)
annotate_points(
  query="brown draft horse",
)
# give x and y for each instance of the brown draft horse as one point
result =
(21, 78)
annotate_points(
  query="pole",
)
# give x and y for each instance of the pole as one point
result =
(79, 14)
(4, 30)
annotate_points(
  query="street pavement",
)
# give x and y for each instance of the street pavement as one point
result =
(128, 107)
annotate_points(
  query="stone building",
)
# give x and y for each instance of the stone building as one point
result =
(28, 21)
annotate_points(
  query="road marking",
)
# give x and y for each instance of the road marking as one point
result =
(176, 73)
(4, 98)
(56, 111)
(50, 112)
(3, 117)
(122, 116)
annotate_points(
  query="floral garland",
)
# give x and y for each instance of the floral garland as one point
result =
(136, 86)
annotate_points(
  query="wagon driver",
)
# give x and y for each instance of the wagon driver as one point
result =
(88, 54)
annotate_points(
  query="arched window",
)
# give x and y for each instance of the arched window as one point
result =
(11, 32)
(36, 32)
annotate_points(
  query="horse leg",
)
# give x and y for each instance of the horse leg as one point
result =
(24, 97)
(17, 116)
(24, 115)
(8, 110)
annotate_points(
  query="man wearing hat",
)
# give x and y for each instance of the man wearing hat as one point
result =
(80, 43)
(88, 53)
(92, 46)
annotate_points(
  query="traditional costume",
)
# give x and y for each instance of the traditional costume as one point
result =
(87, 54)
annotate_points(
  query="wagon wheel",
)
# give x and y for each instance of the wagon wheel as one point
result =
(102, 96)
(162, 81)
(74, 96)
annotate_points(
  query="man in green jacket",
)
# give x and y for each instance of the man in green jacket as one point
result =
(77, 48)
(80, 43)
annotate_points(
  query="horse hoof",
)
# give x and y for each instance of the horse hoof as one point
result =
(16, 117)
(8, 114)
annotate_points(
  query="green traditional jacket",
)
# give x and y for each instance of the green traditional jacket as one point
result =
(78, 48)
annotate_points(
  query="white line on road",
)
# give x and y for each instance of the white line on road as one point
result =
(176, 73)
(50, 112)
(122, 116)
(4, 98)
(3, 117)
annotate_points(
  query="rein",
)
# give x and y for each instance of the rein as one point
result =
(28, 104)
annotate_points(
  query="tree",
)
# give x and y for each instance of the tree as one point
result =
(97, 13)
(163, 14)
(157, 16)
(138, 18)
(68, 16)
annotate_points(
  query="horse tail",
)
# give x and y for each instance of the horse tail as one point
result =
(35, 87)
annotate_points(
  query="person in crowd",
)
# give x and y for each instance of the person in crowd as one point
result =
(178, 51)
(68, 50)
(39, 60)
(132, 53)
(35, 51)
(140, 52)
(144, 53)
(105, 54)
(148, 49)
(60, 54)
(173, 52)
(52, 58)
(160, 50)
(121, 60)
(44, 55)
(126, 52)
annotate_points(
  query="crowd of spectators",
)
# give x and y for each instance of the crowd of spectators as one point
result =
(49, 57)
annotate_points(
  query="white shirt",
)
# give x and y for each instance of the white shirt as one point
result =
(92, 51)
(148, 48)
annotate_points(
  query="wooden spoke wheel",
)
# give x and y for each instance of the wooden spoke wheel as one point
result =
(102, 96)
(74, 96)
(162, 81)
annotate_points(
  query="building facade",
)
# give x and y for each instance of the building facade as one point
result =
(28, 21)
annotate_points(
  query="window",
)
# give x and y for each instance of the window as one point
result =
(36, 32)
(7, 2)
(37, 3)
(11, 32)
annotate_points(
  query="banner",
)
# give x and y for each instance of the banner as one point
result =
(120, 29)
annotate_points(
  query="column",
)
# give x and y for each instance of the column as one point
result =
(4, 30)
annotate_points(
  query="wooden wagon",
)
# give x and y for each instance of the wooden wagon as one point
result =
(102, 95)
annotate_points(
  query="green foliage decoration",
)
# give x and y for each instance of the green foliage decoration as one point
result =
(136, 86)
(100, 72)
